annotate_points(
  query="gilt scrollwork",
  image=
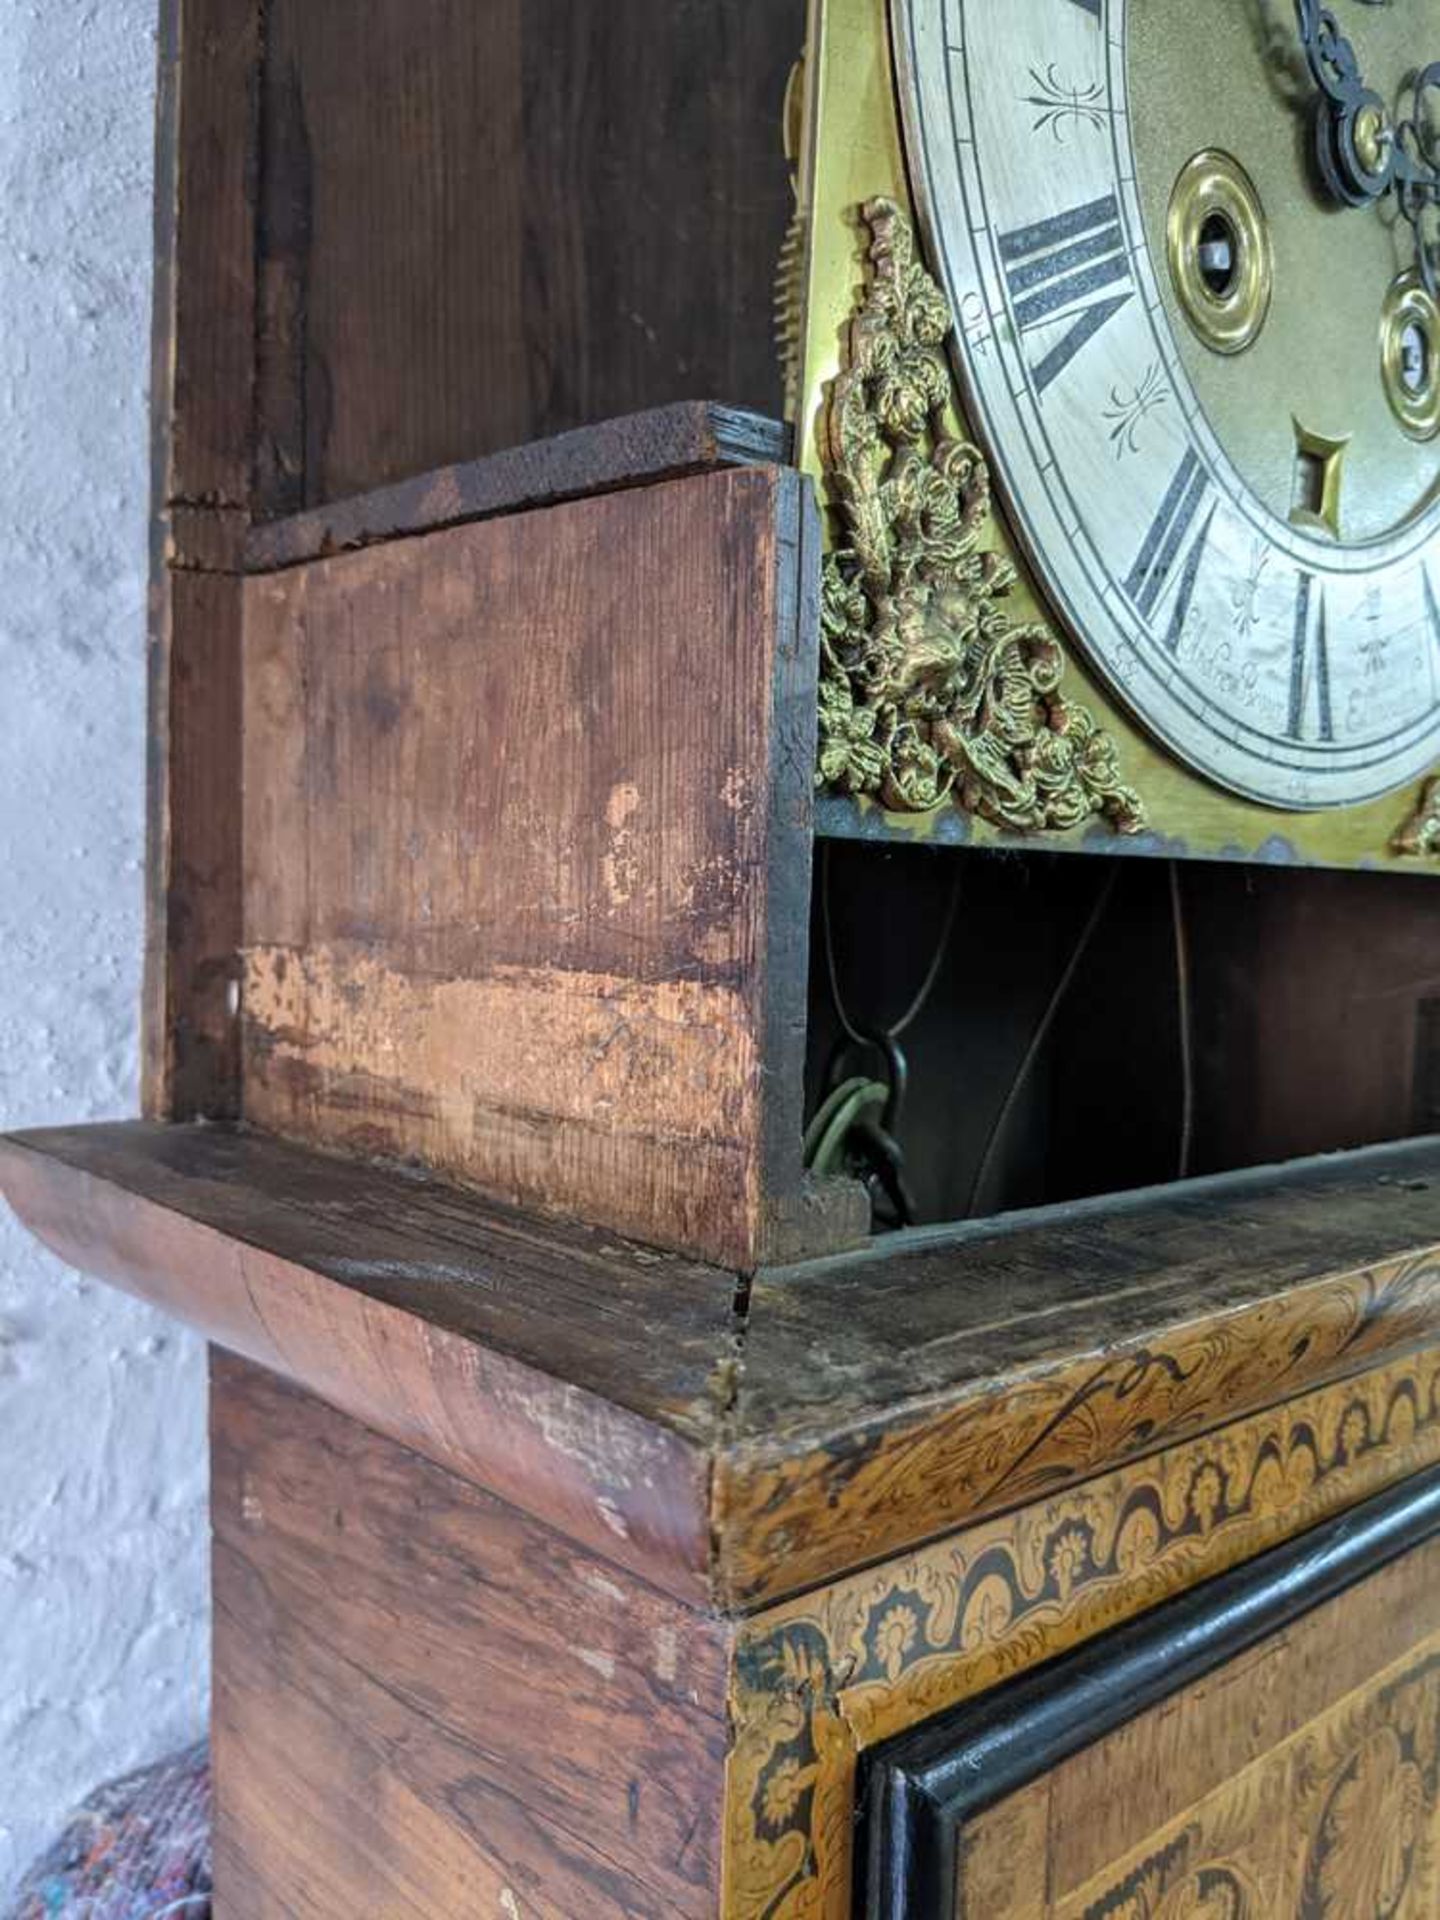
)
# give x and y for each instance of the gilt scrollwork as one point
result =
(1419, 837)
(930, 691)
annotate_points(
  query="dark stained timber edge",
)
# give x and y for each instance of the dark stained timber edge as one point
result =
(920, 1790)
(636, 450)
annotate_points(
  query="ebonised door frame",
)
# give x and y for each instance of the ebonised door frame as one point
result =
(921, 1789)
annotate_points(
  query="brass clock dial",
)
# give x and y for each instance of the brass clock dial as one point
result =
(1204, 378)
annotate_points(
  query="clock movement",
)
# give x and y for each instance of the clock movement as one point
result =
(1116, 344)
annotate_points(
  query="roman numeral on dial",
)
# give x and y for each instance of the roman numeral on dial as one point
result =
(1072, 266)
(1169, 536)
(1310, 663)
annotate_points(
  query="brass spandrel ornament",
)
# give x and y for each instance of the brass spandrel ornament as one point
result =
(1419, 837)
(930, 692)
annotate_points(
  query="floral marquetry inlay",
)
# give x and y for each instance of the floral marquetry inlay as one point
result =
(822, 1678)
(1167, 1888)
(1337, 1822)
(1379, 1800)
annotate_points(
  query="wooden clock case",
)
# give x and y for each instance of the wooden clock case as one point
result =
(593, 1499)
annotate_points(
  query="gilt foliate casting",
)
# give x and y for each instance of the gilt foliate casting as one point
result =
(929, 691)
(1420, 835)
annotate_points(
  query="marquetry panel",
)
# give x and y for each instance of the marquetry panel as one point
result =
(1278, 1319)
(822, 1678)
(1300, 1782)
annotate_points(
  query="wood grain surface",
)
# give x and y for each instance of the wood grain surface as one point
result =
(526, 1359)
(202, 396)
(379, 249)
(527, 858)
(951, 1374)
(482, 225)
(1112, 1439)
(636, 449)
(428, 1704)
(1001, 1368)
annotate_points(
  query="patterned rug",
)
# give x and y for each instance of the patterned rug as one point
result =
(139, 1849)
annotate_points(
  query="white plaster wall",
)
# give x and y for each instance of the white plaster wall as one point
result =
(102, 1446)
